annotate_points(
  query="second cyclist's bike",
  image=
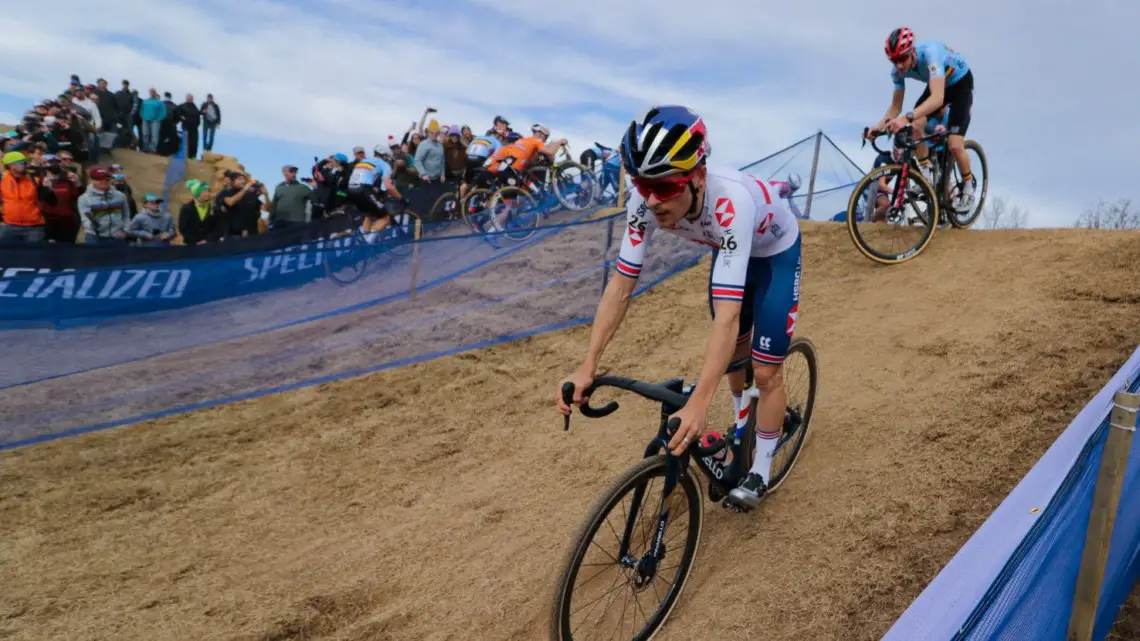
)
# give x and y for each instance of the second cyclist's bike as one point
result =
(626, 567)
(906, 210)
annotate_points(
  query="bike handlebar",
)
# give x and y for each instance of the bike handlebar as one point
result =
(903, 138)
(652, 391)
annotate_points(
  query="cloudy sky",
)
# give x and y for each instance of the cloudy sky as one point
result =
(1054, 98)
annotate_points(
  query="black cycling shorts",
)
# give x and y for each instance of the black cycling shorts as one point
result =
(474, 166)
(960, 97)
(367, 202)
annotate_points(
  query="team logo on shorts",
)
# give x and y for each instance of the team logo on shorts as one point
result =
(792, 316)
(725, 212)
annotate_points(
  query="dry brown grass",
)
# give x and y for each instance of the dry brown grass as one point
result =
(436, 501)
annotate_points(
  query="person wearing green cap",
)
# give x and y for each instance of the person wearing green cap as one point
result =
(196, 220)
(20, 198)
(153, 226)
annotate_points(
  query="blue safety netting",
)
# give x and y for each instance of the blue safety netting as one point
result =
(448, 294)
(1016, 577)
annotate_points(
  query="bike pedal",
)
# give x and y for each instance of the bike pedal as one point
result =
(733, 507)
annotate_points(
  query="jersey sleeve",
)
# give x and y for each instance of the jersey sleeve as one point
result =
(934, 57)
(638, 229)
(897, 79)
(738, 213)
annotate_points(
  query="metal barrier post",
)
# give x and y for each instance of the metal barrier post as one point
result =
(1106, 499)
(415, 258)
(814, 169)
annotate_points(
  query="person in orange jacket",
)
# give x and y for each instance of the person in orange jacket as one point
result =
(20, 197)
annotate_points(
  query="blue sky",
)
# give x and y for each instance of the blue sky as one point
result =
(297, 79)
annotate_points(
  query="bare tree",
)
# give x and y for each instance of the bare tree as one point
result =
(999, 214)
(1103, 215)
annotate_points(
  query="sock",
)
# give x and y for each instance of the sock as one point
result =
(740, 408)
(765, 445)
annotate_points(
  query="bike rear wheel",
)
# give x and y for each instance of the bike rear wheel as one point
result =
(644, 580)
(964, 219)
(573, 185)
(801, 403)
(400, 234)
(445, 211)
(475, 209)
(873, 217)
(515, 210)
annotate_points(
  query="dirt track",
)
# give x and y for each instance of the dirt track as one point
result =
(436, 501)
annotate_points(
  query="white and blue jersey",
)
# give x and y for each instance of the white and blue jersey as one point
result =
(483, 147)
(369, 172)
(756, 255)
(935, 60)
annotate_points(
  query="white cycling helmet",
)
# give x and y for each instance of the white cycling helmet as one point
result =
(539, 129)
(381, 150)
(794, 181)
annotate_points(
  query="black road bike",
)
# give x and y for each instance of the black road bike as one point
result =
(912, 207)
(647, 562)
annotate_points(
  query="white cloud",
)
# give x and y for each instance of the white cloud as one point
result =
(339, 73)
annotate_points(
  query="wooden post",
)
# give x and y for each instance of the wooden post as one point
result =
(416, 258)
(814, 169)
(1102, 517)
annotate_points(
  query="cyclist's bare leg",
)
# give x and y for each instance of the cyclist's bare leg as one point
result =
(462, 191)
(380, 224)
(922, 152)
(958, 148)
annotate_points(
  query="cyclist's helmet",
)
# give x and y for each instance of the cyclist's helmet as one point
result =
(381, 150)
(513, 136)
(539, 129)
(899, 43)
(794, 181)
(670, 140)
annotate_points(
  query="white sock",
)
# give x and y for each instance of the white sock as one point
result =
(762, 459)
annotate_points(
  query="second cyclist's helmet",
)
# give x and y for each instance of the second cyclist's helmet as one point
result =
(900, 42)
(669, 140)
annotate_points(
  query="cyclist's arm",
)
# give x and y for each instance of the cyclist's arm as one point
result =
(552, 148)
(389, 187)
(619, 291)
(937, 87)
(896, 102)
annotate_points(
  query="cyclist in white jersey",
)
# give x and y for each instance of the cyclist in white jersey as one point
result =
(753, 286)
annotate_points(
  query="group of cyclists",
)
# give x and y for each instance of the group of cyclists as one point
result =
(754, 284)
(500, 149)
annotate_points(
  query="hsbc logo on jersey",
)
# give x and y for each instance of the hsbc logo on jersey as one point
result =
(792, 316)
(765, 223)
(725, 212)
(636, 236)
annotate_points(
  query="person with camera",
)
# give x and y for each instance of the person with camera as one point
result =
(62, 217)
(243, 204)
(21, 198)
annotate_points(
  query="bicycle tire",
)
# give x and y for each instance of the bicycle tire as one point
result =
(441, 215)
(586, 177)
(965, 222)
(807, 348)
(639, 474)
(931, 220)
(404, 241)
(359, 250)
(468, 216)
(530, 223)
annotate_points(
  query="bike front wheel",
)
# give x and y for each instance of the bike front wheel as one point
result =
(444, 211)
(623, 611)
(887, 226)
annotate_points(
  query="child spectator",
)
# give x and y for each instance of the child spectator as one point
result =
(153, 226)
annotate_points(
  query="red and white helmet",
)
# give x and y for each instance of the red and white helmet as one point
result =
(899, 43)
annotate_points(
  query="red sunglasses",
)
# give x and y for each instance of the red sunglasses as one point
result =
(663, 188)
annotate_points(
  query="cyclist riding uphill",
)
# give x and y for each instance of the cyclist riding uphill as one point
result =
(525, 150)
(478, 151)
(753, 288)
(368, 184)
(949, 82)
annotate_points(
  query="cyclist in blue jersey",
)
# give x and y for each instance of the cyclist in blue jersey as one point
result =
(370, 188)
(949, 81)
(478, 151)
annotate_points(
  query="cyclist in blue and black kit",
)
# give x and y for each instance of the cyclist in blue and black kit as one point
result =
(949, 82)
(478, 151)
(369, 182)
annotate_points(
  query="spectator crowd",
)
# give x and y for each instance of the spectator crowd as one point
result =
(52, 183)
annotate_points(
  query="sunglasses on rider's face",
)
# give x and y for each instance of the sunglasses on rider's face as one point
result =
(662, 189)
